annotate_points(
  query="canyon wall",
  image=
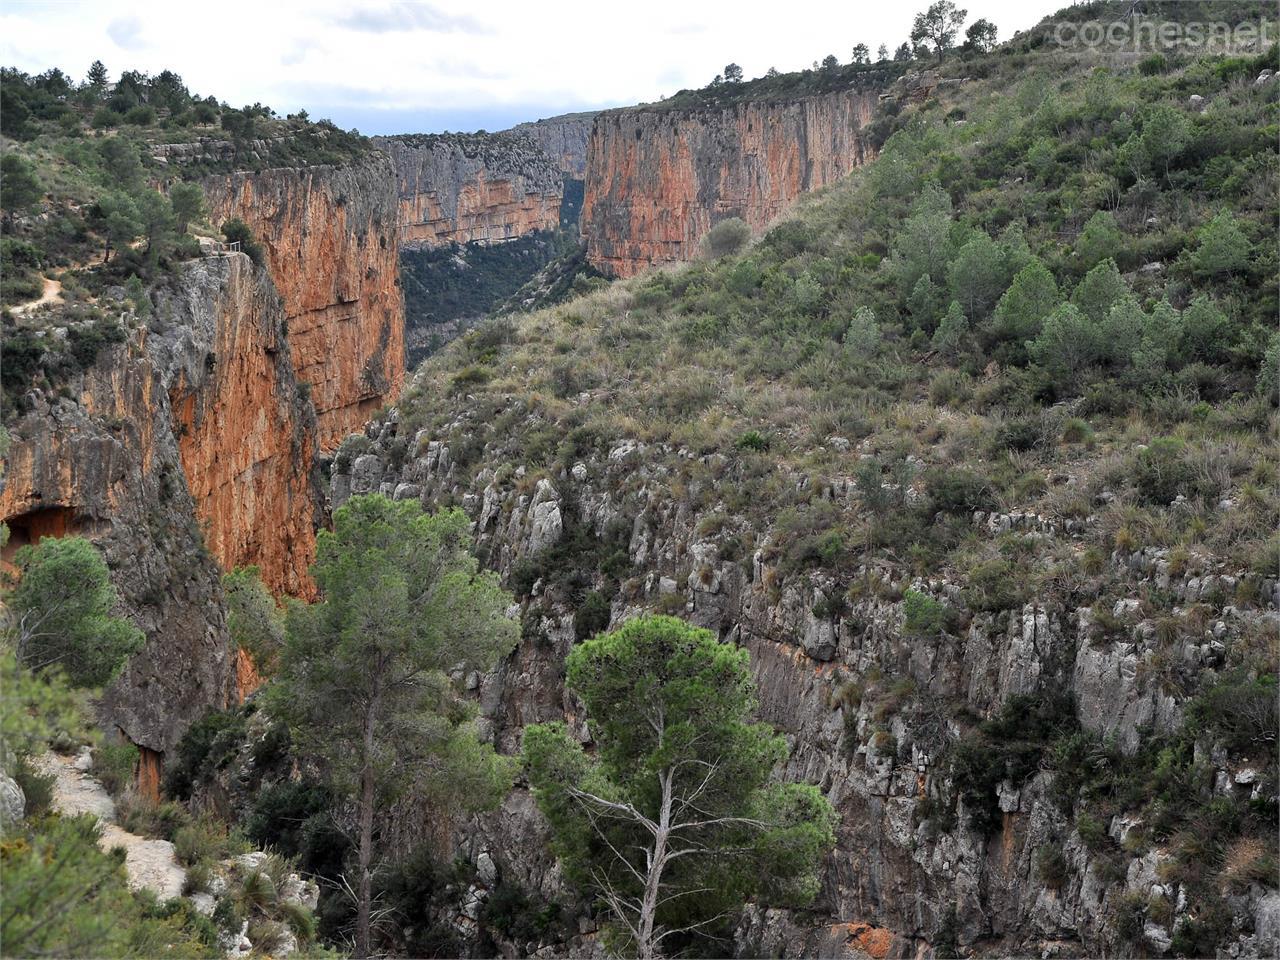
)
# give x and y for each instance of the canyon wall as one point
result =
(658, 179)
(331, 247)
(869, 707)
(564, 139)
(469, 188)
(247, 432)
(161, 435)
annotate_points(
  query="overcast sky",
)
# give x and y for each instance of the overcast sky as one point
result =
(391, 66)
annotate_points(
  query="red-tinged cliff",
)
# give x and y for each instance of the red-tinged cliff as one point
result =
(247, 434)
(185, 449)
(331, 241)
(472, 188)
(658, 179)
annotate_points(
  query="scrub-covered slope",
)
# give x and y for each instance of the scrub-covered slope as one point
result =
(975, 454)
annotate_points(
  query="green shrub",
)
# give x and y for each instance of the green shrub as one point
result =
(140, 116)
(209, 744)
(923, 615)
(1021, 434)
(143, 816)
(1223, 247)
(202, 840)
(1051, 865)
(1093, 832)
(753, 440)
(1152, 65)
(958, 491)
(591, 616)
(237, 231)
(1201, 935)
(294, 818)
(65, 587)
(114, 764)
(727, 237)
(37, 787)
(1076, 430)
(468, 378)
(1241, 712)
(1161, 472)
(1010, 747)
(996, 585)
(356, 445)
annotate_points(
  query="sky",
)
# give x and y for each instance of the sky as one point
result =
(411, 66)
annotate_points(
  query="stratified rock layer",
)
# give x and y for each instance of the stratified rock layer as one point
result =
(330, 235)
(904, 879)
(658, 180)
(246, 432)
(112, 459)
(564, 139)
(468, 188)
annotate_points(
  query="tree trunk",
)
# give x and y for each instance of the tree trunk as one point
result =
(365, 891)
(653, 881)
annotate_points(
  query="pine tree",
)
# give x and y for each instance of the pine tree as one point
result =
(675, 821)
(364, 679)
(97, 78)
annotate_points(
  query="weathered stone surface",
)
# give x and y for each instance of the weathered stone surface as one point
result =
(13, 803)
(246, 434)
(332, 250)
(545, 522)
(466, 188)
(658, 180)
(562, 138)
(896, 874)
(107, 465)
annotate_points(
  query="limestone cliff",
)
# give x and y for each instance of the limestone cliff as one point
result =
(903, 879)
(331, 248)
(247, 433)
(110, 457)
(469, 188)
(658, 180)
(562, 138)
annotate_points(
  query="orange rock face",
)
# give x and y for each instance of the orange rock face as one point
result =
(332, 250)
(103, 462)
(247, 438)
(658, 180)
(866, 940)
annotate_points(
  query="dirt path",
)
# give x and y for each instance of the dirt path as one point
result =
(149, 863)
(52, 294)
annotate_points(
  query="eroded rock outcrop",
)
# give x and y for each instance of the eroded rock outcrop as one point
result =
(246, 431)
(469, 188)
(102, 459)
(658, 179)
(870, 707)
(562, 138)
(331, 242)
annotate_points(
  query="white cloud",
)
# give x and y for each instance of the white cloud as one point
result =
(126, 33)
(399, 58)
(408, 15)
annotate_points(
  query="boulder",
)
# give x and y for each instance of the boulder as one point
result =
(13, 803)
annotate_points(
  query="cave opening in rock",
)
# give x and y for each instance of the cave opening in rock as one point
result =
(33, 526)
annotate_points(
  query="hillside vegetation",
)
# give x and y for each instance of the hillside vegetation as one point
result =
(1028, 349)
(101, 196)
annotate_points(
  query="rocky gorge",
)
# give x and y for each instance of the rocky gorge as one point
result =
(985, 491)
(192, 446)
(867, 703)
(657, 179)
